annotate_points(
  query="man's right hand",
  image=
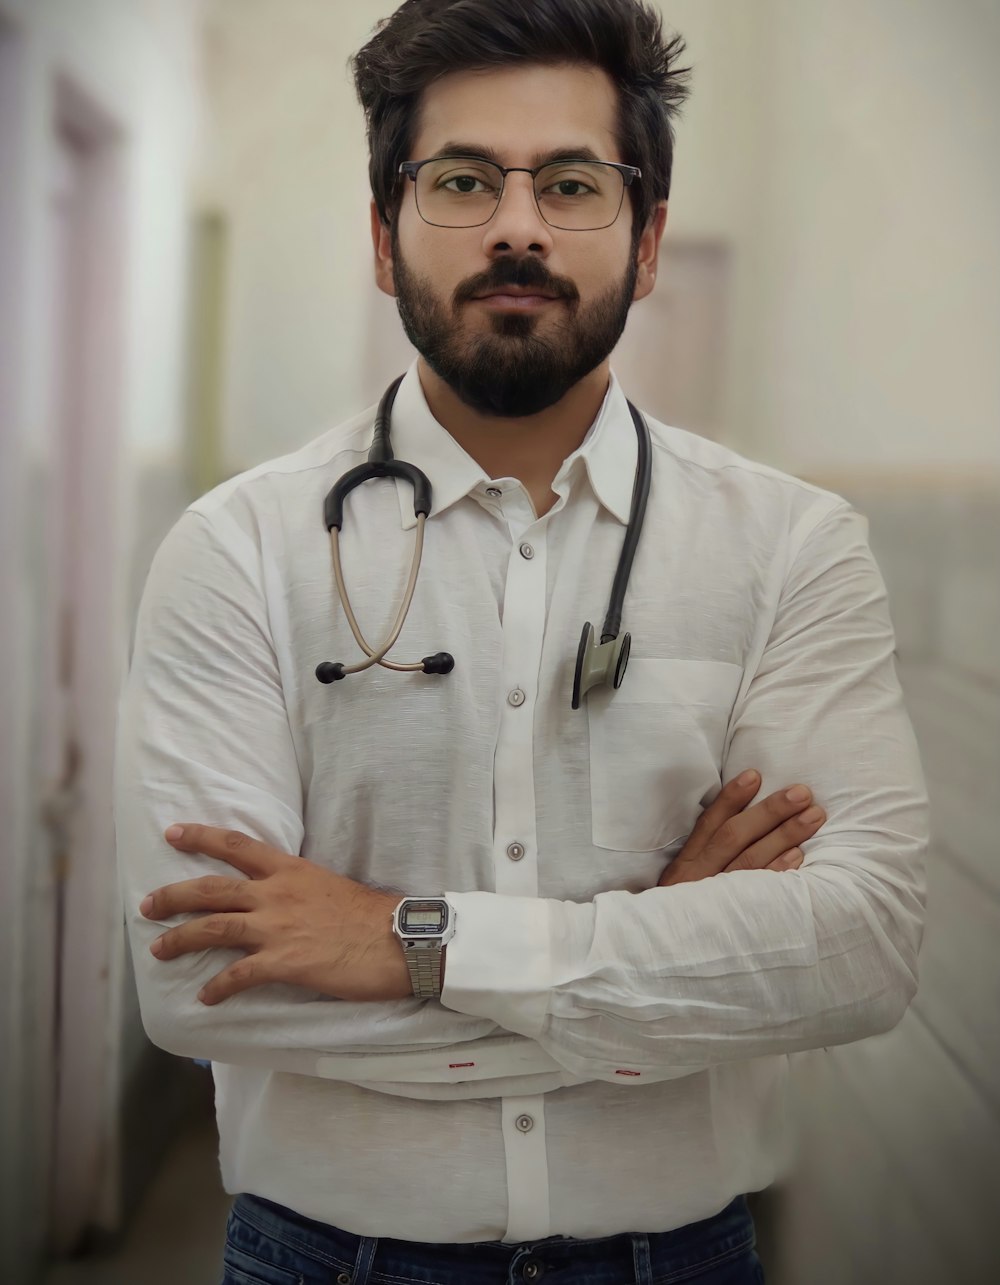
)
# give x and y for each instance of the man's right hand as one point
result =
(731, 836)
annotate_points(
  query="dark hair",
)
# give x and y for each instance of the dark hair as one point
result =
(426, 39)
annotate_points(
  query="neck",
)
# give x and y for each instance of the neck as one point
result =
(532, 448)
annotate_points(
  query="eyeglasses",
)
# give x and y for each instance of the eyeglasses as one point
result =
(464, 191)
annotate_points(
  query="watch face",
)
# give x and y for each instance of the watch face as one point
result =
(420, 917)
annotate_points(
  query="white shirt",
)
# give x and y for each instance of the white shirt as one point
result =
(607, 1055)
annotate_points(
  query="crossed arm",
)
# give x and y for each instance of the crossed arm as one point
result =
(308, 926)
(747, 966)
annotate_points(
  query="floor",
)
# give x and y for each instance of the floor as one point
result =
(178, 1232)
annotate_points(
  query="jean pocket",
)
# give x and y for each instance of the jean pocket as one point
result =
(244, 1268)
(736, 1265)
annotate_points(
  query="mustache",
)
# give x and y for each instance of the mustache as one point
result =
(525, 273)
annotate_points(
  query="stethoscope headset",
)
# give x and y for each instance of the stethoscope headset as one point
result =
(596, 663)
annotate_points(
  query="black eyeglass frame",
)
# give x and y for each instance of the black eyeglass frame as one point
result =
(629, 174)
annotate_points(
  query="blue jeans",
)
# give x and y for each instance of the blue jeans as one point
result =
(267, 1244)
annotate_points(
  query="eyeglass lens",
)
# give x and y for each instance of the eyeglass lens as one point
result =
(456, 192)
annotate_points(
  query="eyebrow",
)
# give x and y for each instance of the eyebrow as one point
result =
(481, 152)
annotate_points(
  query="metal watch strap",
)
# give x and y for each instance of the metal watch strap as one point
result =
(424, 962)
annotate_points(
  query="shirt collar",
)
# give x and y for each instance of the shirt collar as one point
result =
(608, 453)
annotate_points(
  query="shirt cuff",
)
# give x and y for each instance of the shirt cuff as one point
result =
(500, 960)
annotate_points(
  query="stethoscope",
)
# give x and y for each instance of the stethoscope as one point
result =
(596, 663)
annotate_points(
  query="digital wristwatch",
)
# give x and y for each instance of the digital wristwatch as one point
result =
(424, 926)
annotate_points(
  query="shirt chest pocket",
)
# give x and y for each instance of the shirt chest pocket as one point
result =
(656, 749)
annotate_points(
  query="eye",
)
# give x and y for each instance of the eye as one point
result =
(571, 187)
(462, 183)
(572, 184)
(466, 184)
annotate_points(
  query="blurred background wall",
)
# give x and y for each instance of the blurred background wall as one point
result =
(185, 290)
(99, 124)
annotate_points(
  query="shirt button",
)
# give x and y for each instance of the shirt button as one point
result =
(494, 492)
(525, 1123)
(515, 851)
(527, 551)
(516, 697)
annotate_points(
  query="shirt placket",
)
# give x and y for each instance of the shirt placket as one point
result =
(515, 832)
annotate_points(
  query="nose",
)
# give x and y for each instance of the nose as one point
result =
(517, 227)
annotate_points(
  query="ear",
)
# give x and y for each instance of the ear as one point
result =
(649, 251)
(382, 242)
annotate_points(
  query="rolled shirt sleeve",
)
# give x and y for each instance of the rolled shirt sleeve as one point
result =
(633, 988)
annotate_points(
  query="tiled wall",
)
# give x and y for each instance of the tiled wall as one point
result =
(900, 1135)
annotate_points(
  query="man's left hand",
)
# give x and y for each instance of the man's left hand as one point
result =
(298, 922)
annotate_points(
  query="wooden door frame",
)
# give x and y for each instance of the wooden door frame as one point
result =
(21, 1128)
(59, 1150)
(84, 1191)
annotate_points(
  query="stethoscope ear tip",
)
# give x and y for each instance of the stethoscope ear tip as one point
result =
(440, 663)
(328, 672)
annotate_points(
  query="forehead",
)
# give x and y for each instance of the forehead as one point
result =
(521, 112)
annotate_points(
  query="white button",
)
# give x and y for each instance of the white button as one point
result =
(527, 551)
(515, 851)
(494, 491)
(525, 1123)
(516, 697)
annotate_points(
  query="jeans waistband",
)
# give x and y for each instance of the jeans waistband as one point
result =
(642, 1255)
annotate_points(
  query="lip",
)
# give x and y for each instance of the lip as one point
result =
(519, 301)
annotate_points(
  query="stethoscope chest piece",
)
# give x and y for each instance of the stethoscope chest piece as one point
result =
(598, 663)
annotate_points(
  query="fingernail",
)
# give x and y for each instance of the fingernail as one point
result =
(173, 833)
(797, 794)
(146, 905)
(747, 778)
(157, 946)
(811, 816)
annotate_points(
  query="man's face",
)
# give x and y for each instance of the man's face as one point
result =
(503, 359)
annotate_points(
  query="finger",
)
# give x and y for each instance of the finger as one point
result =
(205, 933)
(210, 892)
(254, 858)
(790, 860)
(737, 834)
(787, 835)
(247, 972)
(731, 800)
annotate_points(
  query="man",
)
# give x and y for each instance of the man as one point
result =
(597, 1077)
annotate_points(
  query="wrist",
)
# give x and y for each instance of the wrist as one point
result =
(399, 985)
(426, 928)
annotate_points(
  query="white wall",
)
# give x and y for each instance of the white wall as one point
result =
(841, 150)
(878, 262)
(289, 168)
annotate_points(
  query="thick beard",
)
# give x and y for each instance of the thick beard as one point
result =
(513, 372)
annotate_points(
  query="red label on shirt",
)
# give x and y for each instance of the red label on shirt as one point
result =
(452, 1066)
(628, 1073)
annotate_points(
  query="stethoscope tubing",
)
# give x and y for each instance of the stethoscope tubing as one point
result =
(376, 658)
(636, 519)
(382, 463)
